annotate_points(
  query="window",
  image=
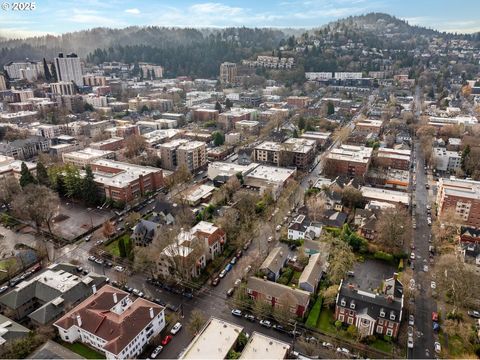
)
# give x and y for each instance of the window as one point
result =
(380, 322)
(389, 332)
(392, 316)
(352, 305)
(382, 313)
(341, 318)
(379, 329)
(342, 302)
(350, 320)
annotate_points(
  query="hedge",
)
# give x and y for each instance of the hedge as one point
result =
(380, 255)
(314, 313)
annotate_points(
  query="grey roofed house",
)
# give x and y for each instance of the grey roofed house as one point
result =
(48, 295)
(165, 211)
(313, 272)
(274, 262)
(53, 350)
(144, 232)
(333, 218)
(11, 330)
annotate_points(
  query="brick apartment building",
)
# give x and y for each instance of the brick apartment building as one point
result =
(203, 115)
(370, 312)
(296, 152)
(349, 160)
(125, 182)
(298, 101)
(393, 158)
(462, 197)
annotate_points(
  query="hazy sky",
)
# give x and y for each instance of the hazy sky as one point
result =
(56, 17)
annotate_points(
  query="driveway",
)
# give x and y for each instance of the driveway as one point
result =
(370, 274)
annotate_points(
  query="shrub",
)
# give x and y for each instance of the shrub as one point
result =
(400, 265)
(380, 255)
(286, 276)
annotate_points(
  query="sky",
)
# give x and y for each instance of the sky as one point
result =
(57, 17)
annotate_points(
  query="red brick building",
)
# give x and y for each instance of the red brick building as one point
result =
(125, 182)
(349, 160)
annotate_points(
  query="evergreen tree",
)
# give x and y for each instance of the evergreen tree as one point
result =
(218, 107)
(218, 138)
(121, 248)
(295, 133)
(42, 175)
(46, 70)
(465, 155)
(54, 76)
(330, 108)
(26, 176)
(301, 123)
(228, 103)
(89, 188)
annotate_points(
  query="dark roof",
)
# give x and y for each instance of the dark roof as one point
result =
(333, 218)
(369, 303)
(470, 231)
(53, 350)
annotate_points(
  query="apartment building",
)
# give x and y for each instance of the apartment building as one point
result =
(82, 158)
(268, 152)
(26, 70)
(228, 73)
(228, 119)
(446, 161)
(370, 312)
(94, 80)
(25, 148)
(11, 167)
(113, 322)
(349, 160)
(123, 182)
(462, 197)
(298, 101)
(112, 144)
(19, 117)
(192, 154)
(68, 68)
(63, 88)
(394, 158)
(369, 126)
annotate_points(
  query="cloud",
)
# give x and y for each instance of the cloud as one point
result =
(21, 33)
(133, 11)
(93, 17)
(216, 9)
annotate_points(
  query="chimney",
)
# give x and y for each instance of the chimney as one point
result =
(94, 289)
(115, 300)
(351, 286)
(79, 321)
(151, 313)
(389, 299)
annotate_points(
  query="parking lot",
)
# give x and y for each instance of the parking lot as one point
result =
(370, 274)
(74, 220)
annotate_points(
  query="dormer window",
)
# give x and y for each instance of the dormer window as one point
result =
(382, 313)
(352, 305)
(342, 302)
(392, 316)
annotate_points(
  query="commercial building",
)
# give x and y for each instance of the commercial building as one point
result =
(462, 197)
(82, 158)
(260, 346)
(220, 172)
(348, 160)
(457, 120)
(68, 68)
(123, 182)
(269, 178)
(46, 297)
(384, 195)
(371, 313)
(113, 323)
(228, 73)
(214, 341)
(198, 193)
(446, 161)
(278, 295)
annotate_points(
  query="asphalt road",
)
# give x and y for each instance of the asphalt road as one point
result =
(424, 302)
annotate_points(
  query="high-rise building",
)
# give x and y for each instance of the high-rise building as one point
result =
(228, 73)
(68, 68)
(63, 88)
(3, 83)
(27, 70)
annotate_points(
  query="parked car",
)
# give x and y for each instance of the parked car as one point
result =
(239, 254)
(434, 316)
(248, 268)
(278, 228)
(474, 314)
(157, 351)
(233, 261)
(176, 328)
(327, 345)
(278, 328)
(343, 351)
(119, 268)
(412, 256)
(410, 331)
(88, 238)
(247, 244)
(351, 273)
(92, 258)
(410, 342)
(249, 317)
(222, 273)
(266, 323)
(236, 312)
(438, 347)
(3, 289)
(215, 281)
(228, 267)
(230, 292)
(433, 285)
(166, 340)
(237, 282)
(270, 239)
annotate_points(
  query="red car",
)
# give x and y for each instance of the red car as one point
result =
(167, 339)
(434, 316)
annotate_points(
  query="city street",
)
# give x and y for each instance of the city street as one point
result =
(424, 303)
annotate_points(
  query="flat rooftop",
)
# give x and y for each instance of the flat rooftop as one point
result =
(61, 281)
(360, 154)
(214, 341)
(88, 153)
(269, 146)
(127, 174)
(107, 141)
(261, 346)
(460, 188)
(270, 173)
(191, 145)
(385, 195)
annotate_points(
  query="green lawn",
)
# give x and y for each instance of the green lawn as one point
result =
(10, 262)
(312, 319)
(382, 345)
(112, 248)
(83, 350)
(456, 346)
(325, 321)
(296, 276)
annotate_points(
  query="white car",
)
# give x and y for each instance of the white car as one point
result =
(425, 268)
(438, 347)
(222, 274)
(270, 239)
(237, 282)
(278, 228)
(410, 342)
(266, 323)
(343, 351)
(433, 285)
(176, 328)
(119, 268)
(411, 320)
(236, 312)
(412, 256)
(248, 268)
(157, 351)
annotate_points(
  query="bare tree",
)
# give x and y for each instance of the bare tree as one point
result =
(329, 295)
(135, 145)
(316, 207)
(392, 229)
(281, 312)
(341, 258)
(38, 204)
(9, 189)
